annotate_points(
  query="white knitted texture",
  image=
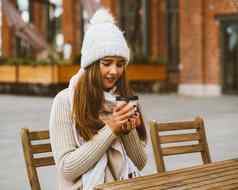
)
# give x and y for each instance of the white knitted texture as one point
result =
(72, 161)
(103, 38)
(102, 16)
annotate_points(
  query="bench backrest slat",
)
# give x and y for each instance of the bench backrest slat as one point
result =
(197, 140)
(31, 150)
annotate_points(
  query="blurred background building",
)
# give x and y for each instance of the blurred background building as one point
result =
(190, 46)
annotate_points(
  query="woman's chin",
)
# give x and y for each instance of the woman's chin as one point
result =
(108, 87)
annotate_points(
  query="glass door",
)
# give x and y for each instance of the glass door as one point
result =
(173, 34)
(229, 47)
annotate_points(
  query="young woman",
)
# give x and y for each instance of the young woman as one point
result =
(95, 139)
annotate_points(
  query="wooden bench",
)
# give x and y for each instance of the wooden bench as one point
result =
(158, 139)
(222, 175)
(33, 154)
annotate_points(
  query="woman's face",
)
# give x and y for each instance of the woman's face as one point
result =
(111, 69)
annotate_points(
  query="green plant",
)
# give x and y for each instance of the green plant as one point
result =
(77, 59)
(2, 60)
(158, 60)
(28, 61)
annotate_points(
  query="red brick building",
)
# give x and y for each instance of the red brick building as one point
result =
(208, 47)
(196, 39)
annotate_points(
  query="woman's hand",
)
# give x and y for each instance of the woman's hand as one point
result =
(133, 122)
(137, 118)
(122, 114)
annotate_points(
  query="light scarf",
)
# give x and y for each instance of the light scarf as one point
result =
(96, 175)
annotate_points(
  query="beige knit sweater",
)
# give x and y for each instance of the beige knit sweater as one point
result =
(72, 160)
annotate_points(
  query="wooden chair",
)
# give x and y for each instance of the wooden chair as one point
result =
(30, 150)
(159, 139)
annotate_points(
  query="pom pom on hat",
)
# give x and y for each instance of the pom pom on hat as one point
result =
(102, 16)
(103, 38)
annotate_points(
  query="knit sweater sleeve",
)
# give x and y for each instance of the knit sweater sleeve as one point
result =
(73, 161)
(135, 149)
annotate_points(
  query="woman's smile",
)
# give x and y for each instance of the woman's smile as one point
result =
(111, 68)
(111, 79)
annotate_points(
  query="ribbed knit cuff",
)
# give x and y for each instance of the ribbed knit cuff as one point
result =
(135, 149)
(107, 132)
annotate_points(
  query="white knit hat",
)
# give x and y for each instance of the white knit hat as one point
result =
(103, 38)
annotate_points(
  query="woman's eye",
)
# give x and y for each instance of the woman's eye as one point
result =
(120, 64)
(106, 63)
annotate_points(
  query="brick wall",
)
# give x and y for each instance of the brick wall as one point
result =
(212, 39)
(39, 17)
(191, 41)
(111, 5)
(159, 26)
(71, 24)
(199, 43)
(7, 36)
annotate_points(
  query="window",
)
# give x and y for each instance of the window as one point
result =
(50, 23)
(229, 52)
(54, 21)
(173, 33)
(51, 18)
(23, 7)
(22, 49)
(133, 21)
(0, 28)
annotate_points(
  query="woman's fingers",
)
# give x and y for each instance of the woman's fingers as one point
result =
(128, 126)
(136, 115)
(120, 105)
(126, 116)
(127, 109)
(122, 122)
(137, 119)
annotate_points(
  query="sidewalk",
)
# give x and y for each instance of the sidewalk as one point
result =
(220, 114)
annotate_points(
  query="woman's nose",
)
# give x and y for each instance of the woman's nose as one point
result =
(113, 69)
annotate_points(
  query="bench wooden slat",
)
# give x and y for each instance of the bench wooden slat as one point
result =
(179, 138)
(202, 179)
(189, 175)
(181, 149)
(45, 161)
(177, 132)
(36, 142)
(222, 183)
(178, 126)
(39, 135)
(41, 148)
(212, 181)
(187, 180)
(180, 174)
(232, 186)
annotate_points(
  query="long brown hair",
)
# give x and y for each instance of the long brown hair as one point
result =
(89, 99)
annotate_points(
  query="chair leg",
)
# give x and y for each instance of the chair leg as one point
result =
(156, 148)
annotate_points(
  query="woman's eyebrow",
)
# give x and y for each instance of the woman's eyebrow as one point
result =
(110, 59)
(107, 59)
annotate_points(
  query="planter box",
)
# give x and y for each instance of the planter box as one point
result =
(8, 73)
(146, 72)
(54, 74)
(65, 72)
(50, 79)
(43, 74)
(135, 72)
